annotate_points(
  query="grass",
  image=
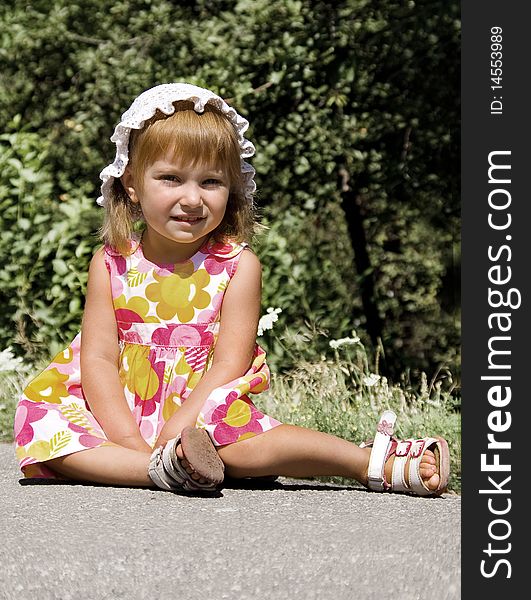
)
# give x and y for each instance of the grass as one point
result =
(342, 397)
(11, 384)
(338, 395)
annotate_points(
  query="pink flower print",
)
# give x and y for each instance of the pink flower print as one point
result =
(133, 337)
(126, 317)
(163, 270)
(76, 428)
(235, 420)
(162, 335)
(216, 264)
(207, 338)
(134, 310)
(146, 429)
(27, 413)
(117, 286)
(76, 344)
(115, 262)
(220, 248)
(211, 313)
(89, 441)
(121, 264)
(76, 390)
(207, 316)
(179, 386)
(180, 335)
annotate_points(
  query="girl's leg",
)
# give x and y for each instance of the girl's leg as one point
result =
(298, 452)
(110, 464)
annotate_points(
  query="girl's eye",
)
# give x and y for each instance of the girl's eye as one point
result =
(169, 178)
(212, 182)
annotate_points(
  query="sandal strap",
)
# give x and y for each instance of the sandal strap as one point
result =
(402, 455)
(383, 446)
(410, 451)
(416, 452)
(407, 452)
(167, 473)
(174, 468)
(158, 474)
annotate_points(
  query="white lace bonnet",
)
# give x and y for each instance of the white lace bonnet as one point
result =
(162, 97)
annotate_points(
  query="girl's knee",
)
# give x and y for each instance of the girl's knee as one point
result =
(246, 456)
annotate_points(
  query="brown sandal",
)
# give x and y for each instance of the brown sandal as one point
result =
(167, 472)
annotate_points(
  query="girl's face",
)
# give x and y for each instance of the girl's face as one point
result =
(181, 205)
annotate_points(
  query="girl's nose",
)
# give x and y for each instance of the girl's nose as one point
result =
(191, 195)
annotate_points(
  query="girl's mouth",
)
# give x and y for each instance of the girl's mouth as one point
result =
(185, 219)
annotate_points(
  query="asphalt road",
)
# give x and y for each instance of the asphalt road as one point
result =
(288, 540)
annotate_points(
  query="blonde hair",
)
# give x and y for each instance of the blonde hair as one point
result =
(190, 138)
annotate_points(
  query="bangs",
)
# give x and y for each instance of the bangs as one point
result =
(188, 138)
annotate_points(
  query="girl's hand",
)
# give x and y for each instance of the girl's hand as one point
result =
(175, 424)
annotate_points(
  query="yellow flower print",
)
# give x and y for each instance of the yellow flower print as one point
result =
(246, 436)
(171, 406)
(49, 386)
(44, 450)
(137, 374)
(21, 452)
(40, 450)
(238, 414)
(185, 370)
(180, 293)
(64, 357)
(137, 305)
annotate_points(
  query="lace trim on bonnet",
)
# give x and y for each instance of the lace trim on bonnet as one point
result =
(162, 97)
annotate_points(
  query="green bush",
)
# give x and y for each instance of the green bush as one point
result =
(354, 113)
(44, 249)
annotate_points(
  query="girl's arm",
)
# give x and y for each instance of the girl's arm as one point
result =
(235, 345)
(99, 361)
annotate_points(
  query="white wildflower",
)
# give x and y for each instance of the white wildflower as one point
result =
(370, 380)
(348, 341)
(267, 320)
(9, 362)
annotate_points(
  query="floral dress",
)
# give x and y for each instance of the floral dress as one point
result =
(168, 321)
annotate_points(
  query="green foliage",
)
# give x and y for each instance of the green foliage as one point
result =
(44, 248)
(351, 104)
(311, 278)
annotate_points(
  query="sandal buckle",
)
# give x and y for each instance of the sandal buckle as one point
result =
(403, 448)
(418, 447)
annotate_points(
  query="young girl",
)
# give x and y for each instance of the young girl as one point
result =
(154, 391)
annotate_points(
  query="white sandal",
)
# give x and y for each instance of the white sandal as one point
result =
(385, 445)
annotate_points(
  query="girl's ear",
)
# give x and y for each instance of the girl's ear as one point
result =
(129, 185)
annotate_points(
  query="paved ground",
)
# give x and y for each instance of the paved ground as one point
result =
(289, 540)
